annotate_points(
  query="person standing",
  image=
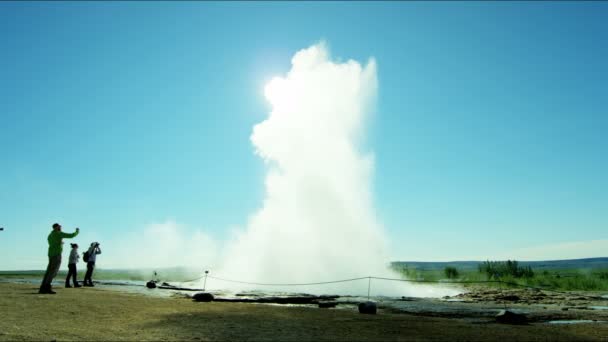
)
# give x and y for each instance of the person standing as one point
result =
(55, 240)
(93, 251)
(72, 266)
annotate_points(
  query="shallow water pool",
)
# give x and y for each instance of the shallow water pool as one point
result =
(598, 307)
(574, 321)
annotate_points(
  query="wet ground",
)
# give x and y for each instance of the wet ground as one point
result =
(538, 305)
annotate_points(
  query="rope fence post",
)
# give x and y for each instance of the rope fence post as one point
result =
(369, 285)
(205, 282)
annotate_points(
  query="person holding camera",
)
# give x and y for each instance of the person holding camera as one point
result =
(55, 240)
(92, 256)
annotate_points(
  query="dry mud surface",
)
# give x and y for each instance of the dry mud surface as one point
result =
(100, 314)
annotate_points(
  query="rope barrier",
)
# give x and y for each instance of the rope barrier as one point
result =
(453, 282)
(189, 281)
(369, 278)
(287, 284)
(479, 282)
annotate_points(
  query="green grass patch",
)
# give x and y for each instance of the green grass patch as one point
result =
(567, 279)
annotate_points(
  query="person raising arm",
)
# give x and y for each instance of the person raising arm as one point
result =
(55, 240)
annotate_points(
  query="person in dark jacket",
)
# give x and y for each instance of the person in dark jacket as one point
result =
(55, 240)
(93, 251)
(72, 266)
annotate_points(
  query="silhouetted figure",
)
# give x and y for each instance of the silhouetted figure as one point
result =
(72, 266)
(55, 240)
(93, 251)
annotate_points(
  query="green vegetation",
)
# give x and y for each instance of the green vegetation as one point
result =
(451, 272)
(498, 269)
(511, 273)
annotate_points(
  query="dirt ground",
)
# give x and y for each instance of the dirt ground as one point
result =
(94, 314)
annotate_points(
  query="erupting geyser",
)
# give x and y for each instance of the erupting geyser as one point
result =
(317, 222)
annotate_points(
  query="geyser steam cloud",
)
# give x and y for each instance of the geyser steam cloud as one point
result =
(317, 222)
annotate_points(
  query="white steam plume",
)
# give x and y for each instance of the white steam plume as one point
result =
(317, 222)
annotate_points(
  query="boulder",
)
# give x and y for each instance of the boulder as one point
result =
(510, 317)
(368, 308)
(203, 297)
(151, 284)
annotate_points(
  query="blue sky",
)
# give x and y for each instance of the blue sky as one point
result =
(489, 132)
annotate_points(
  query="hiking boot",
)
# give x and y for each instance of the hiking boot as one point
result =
(76, 285)
(68, 286)
(46, 290)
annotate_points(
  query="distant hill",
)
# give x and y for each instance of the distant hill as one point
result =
(588, 263)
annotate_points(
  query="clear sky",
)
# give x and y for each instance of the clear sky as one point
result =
(489, 131)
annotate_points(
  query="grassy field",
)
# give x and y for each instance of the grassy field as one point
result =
(589, 278)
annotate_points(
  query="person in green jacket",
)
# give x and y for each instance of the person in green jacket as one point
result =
(55, 248)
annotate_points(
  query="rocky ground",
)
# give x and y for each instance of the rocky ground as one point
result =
(538, 305)
(99, 314)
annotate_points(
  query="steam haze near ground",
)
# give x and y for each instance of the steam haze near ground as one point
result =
(163, 245)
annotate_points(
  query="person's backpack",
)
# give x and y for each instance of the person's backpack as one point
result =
(85, 256)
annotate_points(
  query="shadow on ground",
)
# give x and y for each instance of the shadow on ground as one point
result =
(265, 322)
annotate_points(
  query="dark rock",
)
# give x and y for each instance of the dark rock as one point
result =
(307, 299)
(368, 308)
(325, 305)
(512, 298)
(509, 317)
(289, 300)
(151, 284)
(203, 297)
(167, 286)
